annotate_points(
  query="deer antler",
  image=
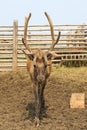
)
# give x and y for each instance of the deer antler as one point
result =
(54, 42)
(24, 40)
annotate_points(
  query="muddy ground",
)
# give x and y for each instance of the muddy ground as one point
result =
(17, 100)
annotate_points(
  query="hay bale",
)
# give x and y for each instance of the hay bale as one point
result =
(77, 100)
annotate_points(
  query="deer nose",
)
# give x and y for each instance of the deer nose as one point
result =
(40, 79)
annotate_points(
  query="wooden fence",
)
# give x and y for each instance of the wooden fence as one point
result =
(71, 47)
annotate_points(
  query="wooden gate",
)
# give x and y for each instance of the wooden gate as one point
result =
(71, 47)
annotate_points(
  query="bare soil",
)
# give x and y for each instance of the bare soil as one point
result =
(17, 100)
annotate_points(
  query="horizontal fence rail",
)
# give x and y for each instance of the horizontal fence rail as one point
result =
(72, 46)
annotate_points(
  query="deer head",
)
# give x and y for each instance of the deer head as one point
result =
(48, 55)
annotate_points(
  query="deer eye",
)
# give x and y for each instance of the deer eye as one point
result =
(34, 65)
(45, 65)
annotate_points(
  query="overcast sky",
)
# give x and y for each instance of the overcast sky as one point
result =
(60, 11)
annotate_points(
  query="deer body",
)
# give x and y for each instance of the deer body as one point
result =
(39, 71)
(39, 63)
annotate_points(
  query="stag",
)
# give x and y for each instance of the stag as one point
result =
(39, 64)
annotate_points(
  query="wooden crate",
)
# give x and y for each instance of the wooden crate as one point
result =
(77, 100)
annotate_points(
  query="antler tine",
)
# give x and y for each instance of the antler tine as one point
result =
(54, 42)
(53, 45)
(51, 27)
(24, 40)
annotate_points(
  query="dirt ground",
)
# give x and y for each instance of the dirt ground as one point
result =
(17, 100)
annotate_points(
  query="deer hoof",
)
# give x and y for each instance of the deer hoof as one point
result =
(37, 122)
(37, 125)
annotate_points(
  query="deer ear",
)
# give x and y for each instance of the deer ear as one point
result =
(30, 56)
(51, 55)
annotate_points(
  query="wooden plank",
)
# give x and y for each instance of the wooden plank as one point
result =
(56, 61)
(21, 55)
(6, 52)
(5, 60)
(49, 43)
(6, 48)
(77, 100)
(3, 35)
(74, 55)
(48, 29)
(74, 59)
(57, 25)
(22, 64)
(6, 64)
(6, 39)
(8, 44)
(58, 47)
(6, 26)
(5, 69)
(22, 60)
(48, 34)
(15, 41)
(71, 51)
(6, 30)
(49, 39)
(5, 56)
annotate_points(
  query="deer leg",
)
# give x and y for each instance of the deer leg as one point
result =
(37, 105)
(42, 99)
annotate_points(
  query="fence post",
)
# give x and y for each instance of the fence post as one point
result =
(15, 44)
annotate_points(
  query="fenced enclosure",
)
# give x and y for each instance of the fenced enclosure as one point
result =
(72, 46)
